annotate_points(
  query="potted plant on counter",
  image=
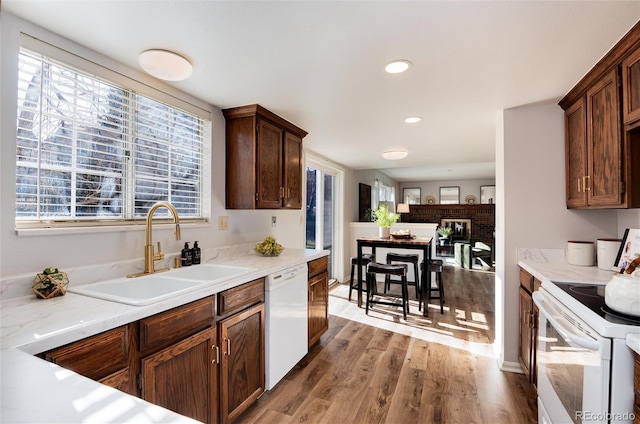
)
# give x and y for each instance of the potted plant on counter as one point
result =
(50, 283)
(385, 219)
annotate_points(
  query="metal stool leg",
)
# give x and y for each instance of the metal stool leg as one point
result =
(353, 267)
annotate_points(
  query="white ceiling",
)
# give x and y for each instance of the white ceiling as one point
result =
(320, 65)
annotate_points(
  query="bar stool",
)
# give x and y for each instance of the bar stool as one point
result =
(399, 270)
(366, 258)
(412, 259)
(437, 266)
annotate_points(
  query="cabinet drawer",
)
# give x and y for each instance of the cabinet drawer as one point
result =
(241, 297)
(166, 328)
(95, 357)
(317, 266)
(526, 280)
(536, 284)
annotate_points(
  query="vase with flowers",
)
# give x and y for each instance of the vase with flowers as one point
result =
(443, 233)
(385, 219)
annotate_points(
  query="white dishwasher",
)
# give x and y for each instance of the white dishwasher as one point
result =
(286, 322)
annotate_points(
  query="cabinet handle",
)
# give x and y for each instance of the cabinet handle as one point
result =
(579, 190)
(584, 183)
(288, 192)
(216, 360)
(228, 352)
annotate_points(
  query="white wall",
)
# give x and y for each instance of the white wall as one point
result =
(531, 209)
(29, 254)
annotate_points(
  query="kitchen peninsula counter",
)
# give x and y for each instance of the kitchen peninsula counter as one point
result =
(33, 390)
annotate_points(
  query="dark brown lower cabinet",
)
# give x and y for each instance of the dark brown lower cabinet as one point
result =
(106, 357)
(205, 365)
(242, 361)
(528, 337)
(183, 377)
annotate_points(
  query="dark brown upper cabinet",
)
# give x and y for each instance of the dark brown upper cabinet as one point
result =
(602, 131)
(263, 160)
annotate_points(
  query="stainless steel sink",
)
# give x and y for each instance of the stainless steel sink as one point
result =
(153, 288)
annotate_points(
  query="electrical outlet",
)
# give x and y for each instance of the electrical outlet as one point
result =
(301, 220)
(223, 223)
(273, 221)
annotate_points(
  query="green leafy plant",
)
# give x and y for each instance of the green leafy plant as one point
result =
(384, 217)
(444, 231)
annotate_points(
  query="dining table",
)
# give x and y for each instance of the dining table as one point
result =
(411, 242)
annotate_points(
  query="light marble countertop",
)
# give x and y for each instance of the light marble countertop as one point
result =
(33, 390)
(551, 265)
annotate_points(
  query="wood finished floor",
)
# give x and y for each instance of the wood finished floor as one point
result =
(382, 369)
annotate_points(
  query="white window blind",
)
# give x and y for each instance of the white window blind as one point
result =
(89, 149)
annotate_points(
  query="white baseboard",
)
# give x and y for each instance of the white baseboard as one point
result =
(511, 367)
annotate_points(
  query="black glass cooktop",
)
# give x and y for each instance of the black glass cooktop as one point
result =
(592, 296)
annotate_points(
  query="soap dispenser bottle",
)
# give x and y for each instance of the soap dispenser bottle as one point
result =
(195, 253)
(186, 255)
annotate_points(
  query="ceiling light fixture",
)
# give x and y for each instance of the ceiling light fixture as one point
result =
(165, 65)
(397, 66)
(394, 154)
(413, 119)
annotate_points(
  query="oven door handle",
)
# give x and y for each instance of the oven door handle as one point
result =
(563, 330)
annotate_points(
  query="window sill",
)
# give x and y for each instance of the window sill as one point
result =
(27, 232)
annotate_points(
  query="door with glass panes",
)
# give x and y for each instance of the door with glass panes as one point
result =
(321, 212)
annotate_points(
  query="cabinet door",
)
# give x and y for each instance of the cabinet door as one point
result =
(318, 306)
(604, 143)
(242, 375)
(576, 153)
(183, 377)
(534, 346)
(631, 88)
(292, 171)
(525, 331)
(269, 166)
(107, 357)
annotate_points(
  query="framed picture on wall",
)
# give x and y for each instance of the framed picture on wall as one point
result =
(629, 249)
(449, 195)
(487, 194)
(364, 202)
(411, 196)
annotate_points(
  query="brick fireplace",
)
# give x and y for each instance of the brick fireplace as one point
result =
(482, 218)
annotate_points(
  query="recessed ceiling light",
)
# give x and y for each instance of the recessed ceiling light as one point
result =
(413, 119)
(165, 65)
(395, 154)
(397, 66)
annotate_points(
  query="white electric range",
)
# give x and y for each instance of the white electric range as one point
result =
(585, 368)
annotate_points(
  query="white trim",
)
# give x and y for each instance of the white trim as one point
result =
(53, 231)
(331, 168)
(511, 367)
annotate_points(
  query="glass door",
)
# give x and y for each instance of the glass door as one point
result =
(321, 213)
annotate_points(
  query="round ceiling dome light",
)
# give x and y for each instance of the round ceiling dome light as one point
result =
(165, 65)
(413, 119)
(394, 154)
(397, 66)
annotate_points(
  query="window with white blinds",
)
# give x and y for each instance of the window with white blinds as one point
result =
(90, 150)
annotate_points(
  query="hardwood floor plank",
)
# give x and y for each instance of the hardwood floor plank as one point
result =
(406, 405)
(379, 368)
